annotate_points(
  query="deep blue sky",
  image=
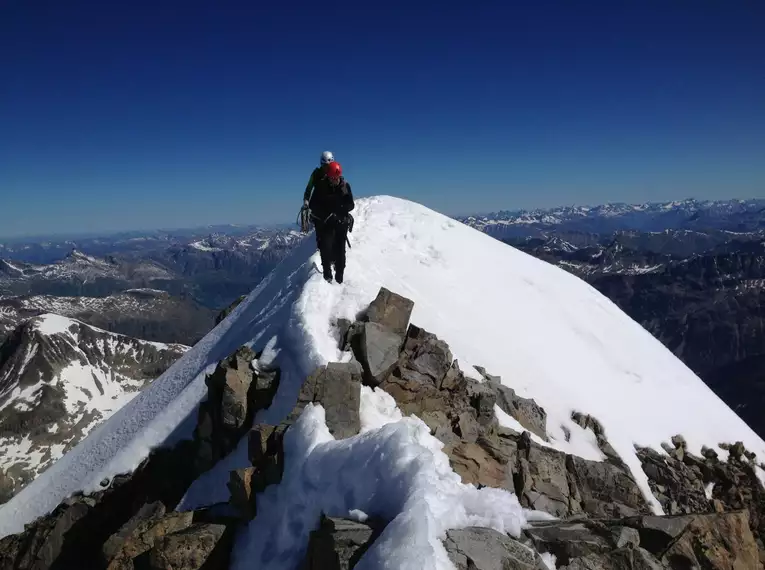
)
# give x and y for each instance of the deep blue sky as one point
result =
(139, 114)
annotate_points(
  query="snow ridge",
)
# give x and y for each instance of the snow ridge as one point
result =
(548, 334)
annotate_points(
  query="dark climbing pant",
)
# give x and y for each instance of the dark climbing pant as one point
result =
(330, 239)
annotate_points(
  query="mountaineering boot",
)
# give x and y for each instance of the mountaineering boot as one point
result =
(328, 275)
(339, 274)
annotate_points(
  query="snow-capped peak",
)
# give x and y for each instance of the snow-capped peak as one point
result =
(549, 335)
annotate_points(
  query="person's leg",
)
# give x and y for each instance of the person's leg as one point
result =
(326, 242)
(338, 253)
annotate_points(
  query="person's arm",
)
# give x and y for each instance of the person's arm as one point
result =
(348, 202)
(309, 187)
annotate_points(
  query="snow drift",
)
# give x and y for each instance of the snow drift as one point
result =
(548, 334)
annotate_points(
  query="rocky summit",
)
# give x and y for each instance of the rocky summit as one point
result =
(60, 378)
(592, 515)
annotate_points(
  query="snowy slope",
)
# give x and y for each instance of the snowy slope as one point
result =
(59, 378)
(547, 333)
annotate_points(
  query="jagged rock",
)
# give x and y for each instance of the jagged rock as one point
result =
(482, 398)
(476, 548)
(604, 489)
(72, 536)
(189, 549)
(139, 536)
(475, 465)
(568, 540)
(228, 310)
(379, 352)
(338, 544)
(427, 356)
(40, 545)
(337, 387)
(258, 442)
(391, 310)
(228, 387)
(150, 512)
(620, 559)
(242, 492)
(678, 480)
(525, 410)
(715, 542)
(264, 385)
(708, 453)
(542, 481)
(342, 326)
(591, 423)
(625, 536)
(679, 441)
(454, 380)
(235, 393)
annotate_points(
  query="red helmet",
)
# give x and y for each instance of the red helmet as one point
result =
(334, 170)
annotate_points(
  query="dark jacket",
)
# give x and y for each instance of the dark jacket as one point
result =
(317, 173)
(328, 199)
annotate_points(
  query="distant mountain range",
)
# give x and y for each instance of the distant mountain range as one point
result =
(59, 378)
(706, 215)
(211, 270)
(148, 314)
(690, 271)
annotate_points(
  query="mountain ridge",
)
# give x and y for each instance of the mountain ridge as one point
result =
(59, 378)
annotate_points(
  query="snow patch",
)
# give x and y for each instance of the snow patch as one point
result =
(50, 324)
(581, 442)
(548, 559)
(397, 471)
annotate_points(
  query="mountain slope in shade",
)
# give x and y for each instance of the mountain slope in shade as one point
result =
(548, 334)
(148, 314)
(59, 378)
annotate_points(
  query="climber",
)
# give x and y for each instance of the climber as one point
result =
(326, 158)
(304, 216)
(330, 206)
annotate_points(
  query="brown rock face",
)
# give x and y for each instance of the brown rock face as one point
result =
(713, 541)
(235, 393)
(189, 549)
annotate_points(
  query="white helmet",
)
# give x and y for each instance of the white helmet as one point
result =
(327, 157)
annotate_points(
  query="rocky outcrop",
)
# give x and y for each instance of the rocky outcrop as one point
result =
(685, 483)
(228, 310)
(603, 520)
(189, 549)
(478, 548)
(713, 541)
(337, 386)
(140, 533)
(524, 410)
(338, 544)
(235, 393)
(131, 522)
(425, 380)
(390, 310)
